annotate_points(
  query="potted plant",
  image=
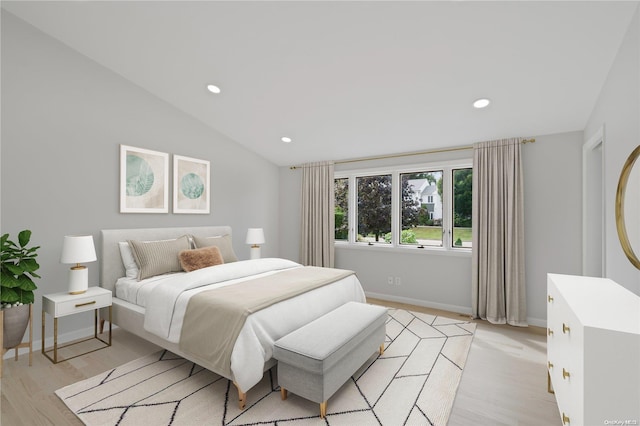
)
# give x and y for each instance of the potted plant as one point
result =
(17, 271)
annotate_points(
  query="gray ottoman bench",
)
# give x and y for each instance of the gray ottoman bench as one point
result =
(317, 359)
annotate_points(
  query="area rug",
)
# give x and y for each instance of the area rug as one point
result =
(413, 383)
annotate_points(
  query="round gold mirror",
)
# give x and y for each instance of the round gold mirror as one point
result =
(628, 207)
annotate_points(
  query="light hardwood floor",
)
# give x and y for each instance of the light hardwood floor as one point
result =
(504, 381)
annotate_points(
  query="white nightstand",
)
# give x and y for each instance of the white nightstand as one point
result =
(62, 304)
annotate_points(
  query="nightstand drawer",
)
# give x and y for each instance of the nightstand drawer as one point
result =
(82, 304)
(62, 304)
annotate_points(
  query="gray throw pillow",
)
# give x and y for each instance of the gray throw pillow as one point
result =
(223, 243)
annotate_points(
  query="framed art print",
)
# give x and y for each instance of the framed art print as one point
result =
(144, 180)
(191, 185)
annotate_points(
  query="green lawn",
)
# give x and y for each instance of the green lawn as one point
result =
(435, 233)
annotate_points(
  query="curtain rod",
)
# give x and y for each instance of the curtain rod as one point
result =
(408, 154)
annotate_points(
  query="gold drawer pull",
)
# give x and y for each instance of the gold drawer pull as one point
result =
(85, 304)
(549, 364)
(565, 328)
(565, 374)
(549, 332)
(550, 298)
(565, 419)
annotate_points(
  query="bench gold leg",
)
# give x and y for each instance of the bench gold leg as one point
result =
(242, 397)
(323, 409)
(382, 349)
(283, 393)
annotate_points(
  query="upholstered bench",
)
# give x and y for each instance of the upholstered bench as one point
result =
(317, 359)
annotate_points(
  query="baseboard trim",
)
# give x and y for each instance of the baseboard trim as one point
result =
(419, 302)
(442, 306)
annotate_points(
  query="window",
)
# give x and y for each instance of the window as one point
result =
(342, 209)
(374, 209)
(421, 221)
(428, 207)
(462, 184)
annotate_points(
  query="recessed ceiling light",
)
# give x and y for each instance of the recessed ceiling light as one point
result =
(481, 103)
(213, 88)
(286, 139)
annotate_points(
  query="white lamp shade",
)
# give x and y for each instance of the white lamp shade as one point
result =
(255, 236)
(78, 249)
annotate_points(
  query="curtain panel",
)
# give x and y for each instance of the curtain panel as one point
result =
(318, 220)
(498, 279)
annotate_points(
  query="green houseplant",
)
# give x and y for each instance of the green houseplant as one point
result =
(18, 268)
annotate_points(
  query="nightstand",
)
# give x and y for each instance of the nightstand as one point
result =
(63, 304)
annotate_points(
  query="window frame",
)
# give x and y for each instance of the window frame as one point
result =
(446, 167)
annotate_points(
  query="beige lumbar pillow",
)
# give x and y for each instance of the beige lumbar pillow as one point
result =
(192, 260)
(158, 257)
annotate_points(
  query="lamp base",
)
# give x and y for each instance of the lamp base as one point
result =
(255, 252)
(78, 280)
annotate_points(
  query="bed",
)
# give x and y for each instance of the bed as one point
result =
(141, 307)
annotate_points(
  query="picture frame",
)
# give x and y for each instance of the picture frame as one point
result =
(191, 185)
(144, 180)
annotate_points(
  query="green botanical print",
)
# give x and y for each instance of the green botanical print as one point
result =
(192, 186)
(139, 176)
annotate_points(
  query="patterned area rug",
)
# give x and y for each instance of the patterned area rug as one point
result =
(413, 383)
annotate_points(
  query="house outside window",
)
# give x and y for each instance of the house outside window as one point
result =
(424, 228)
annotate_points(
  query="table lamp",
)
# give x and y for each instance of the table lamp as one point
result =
(78, 249)
(255, 237)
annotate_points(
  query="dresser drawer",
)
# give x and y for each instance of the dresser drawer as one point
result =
(565, 345)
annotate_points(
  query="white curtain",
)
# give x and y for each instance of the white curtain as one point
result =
(498, 279)
(317, 215)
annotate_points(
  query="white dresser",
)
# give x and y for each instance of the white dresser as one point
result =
(593, 350)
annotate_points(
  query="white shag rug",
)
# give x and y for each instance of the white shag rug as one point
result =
(413, 383)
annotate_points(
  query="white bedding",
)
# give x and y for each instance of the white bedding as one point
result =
(166, 298)
(137, 292)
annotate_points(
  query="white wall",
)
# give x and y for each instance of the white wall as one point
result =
(63, 118)
(618, 110)
(552, 168)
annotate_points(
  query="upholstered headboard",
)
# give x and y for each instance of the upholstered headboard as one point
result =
(111, 267)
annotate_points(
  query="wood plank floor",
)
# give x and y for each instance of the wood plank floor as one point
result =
(504, 381)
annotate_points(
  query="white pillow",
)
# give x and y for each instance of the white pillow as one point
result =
(128, 260)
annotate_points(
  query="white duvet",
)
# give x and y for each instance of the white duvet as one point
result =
(166, 303)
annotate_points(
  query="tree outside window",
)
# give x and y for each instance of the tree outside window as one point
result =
(462, 201)
(374, 207)
(342, 209)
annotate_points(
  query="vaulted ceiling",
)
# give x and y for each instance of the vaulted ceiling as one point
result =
(353, 79)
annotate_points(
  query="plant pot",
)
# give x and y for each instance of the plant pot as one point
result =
(16, 320)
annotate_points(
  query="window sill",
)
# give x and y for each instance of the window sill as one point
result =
(412, 250)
